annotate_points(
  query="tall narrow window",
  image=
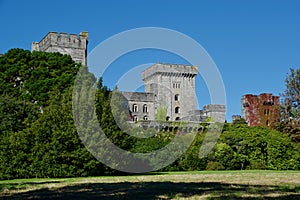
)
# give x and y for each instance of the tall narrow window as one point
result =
(145, 108)
(135, 118)
(134, 108)
(267, 112)
(177, 110)
(176, 85)
(176, 97)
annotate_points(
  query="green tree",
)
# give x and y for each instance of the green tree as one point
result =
(292, 92)
(26, 82)
(290, 109)
(257, 148)
(239, 121)
(161, 113)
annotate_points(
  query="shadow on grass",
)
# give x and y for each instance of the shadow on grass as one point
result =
(159, 190)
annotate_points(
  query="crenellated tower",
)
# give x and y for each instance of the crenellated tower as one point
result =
(173, 87)
(71, 44)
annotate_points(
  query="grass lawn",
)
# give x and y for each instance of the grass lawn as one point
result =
(174, 185)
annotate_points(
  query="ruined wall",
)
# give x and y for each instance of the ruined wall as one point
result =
(261, 110)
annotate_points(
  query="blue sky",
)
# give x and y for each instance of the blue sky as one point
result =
(253, 43)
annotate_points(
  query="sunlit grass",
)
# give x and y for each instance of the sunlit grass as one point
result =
(165, 185)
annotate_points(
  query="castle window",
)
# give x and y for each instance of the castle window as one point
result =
(134, 108)
(168, 118)
(177, 118)
(267, 112)
(176, 97)
(177, 110)
(267, 123)
(135, 118)
(246, 104)
(176, 85)
(145, 118)
(145, 108)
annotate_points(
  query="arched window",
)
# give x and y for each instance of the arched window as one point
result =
(145, 108)
(267, 123)
(135, 118)
(177, 118)
(168, 118)
(176, 97)
(177, 110)
(134, 108)
(145, 118)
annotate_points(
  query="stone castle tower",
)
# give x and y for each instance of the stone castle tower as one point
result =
(173, 87)
(71, 44)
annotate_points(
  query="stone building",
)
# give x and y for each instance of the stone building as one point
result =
(261, 110)
(71, 44)
(172, 87)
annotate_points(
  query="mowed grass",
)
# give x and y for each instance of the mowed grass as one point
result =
(174, 185)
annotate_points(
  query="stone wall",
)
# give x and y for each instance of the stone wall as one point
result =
(215, 111)
(144, 104)
(71, 44)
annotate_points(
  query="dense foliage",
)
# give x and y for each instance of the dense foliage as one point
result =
(290, 109)
(38, 137)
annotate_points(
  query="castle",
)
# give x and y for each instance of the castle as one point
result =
(172, 87)
(168, 86)
(71, 44)
(261, 110)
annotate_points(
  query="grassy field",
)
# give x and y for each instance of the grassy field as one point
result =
(177, 185)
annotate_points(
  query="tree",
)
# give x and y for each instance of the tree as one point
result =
(239, 121)
(161, 113)
(292, 94)
(27, 80)
(290, 109)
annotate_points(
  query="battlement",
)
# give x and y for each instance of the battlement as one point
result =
(214, 108)
(61, 39)
(170, 70)
(72, 44)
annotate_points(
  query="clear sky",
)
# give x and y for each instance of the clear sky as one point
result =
(253, 43)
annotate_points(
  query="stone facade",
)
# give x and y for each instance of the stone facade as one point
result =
(141, 105)
(261, 110)
(171, 86)
(71, 44)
